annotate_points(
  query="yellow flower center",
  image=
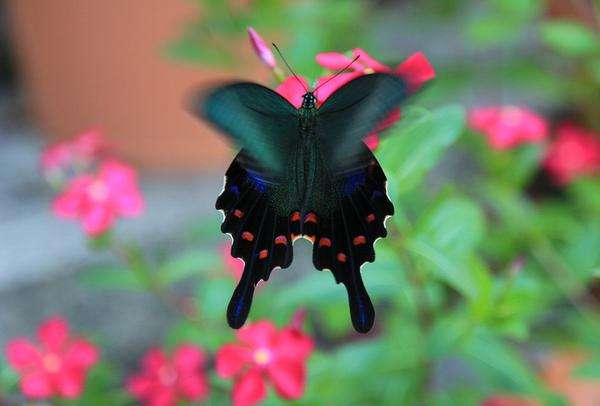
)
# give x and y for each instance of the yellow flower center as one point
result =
(167, 375)
(262, 356)
(98, 191)
(51, 362)
(368, 71)
(511, 116)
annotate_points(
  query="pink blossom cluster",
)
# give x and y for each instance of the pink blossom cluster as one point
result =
(573, 151)
(94, 186)
(57, 365)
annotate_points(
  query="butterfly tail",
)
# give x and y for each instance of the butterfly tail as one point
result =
(261, 237)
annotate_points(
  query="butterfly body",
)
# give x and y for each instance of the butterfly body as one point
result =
(304, 172)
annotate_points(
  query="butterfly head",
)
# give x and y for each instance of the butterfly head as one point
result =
(309, 101)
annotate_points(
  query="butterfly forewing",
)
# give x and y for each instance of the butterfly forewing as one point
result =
(255, 118)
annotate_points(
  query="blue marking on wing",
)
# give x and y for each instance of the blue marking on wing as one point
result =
(239, 306)
(353, 181)
(257, 181)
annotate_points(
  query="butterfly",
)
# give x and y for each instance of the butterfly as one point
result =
(303, 172)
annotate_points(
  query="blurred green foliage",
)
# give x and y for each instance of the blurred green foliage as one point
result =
(479, 276)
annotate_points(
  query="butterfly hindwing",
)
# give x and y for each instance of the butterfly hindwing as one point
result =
(345, 237)
(261, 235)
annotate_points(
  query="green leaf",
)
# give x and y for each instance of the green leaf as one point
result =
(106, 277)
(500, 365)
(589, 369)
(416, 145)
(492, 30)
(445, 238)
(189, 264)
(212, 297)
(570, 38)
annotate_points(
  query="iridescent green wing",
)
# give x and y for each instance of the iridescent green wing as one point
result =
(254, 118)
(354, 110)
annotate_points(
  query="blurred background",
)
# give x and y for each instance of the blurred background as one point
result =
(488, 287)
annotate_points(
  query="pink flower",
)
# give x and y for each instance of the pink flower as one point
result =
(97, 200)
(233, 266)
(574, 152)
(165, 381)
(293, 89)
(81, 150)
(507, 126)
(264, 354)
(57, 366)
(415, 70)
(261, 49)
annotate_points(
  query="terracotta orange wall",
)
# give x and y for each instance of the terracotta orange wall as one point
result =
(99, 62)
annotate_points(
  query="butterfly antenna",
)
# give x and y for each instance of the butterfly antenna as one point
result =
(289, 67)
(338, 73)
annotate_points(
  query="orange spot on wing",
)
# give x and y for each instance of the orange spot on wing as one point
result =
(324, 242)
(248, 236)
(370, 218)
(359, 240)
(341, 257)
(263, 254)
(238, 213)
(281, 239)
(295, 216)
(310, 218)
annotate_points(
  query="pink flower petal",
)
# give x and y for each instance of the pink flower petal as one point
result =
(70, 384)
(416, 70)
(249, 390)
(288, 378)
(261, 49)
(72, 200)
(97, 219)
(257, 335)
(372, 141)
(53, 333)
(294, 344)
(368, 61)
(36, 385)
(506, 127)
(326, 87)
(293, 90)
(128, 203)
(575, 152)
(187, 359)
(162, 397)
(231, 359)
(154, 360)
(140, 386)
(333, 60)
(81, 355)
(22, 355)
(193, 387)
